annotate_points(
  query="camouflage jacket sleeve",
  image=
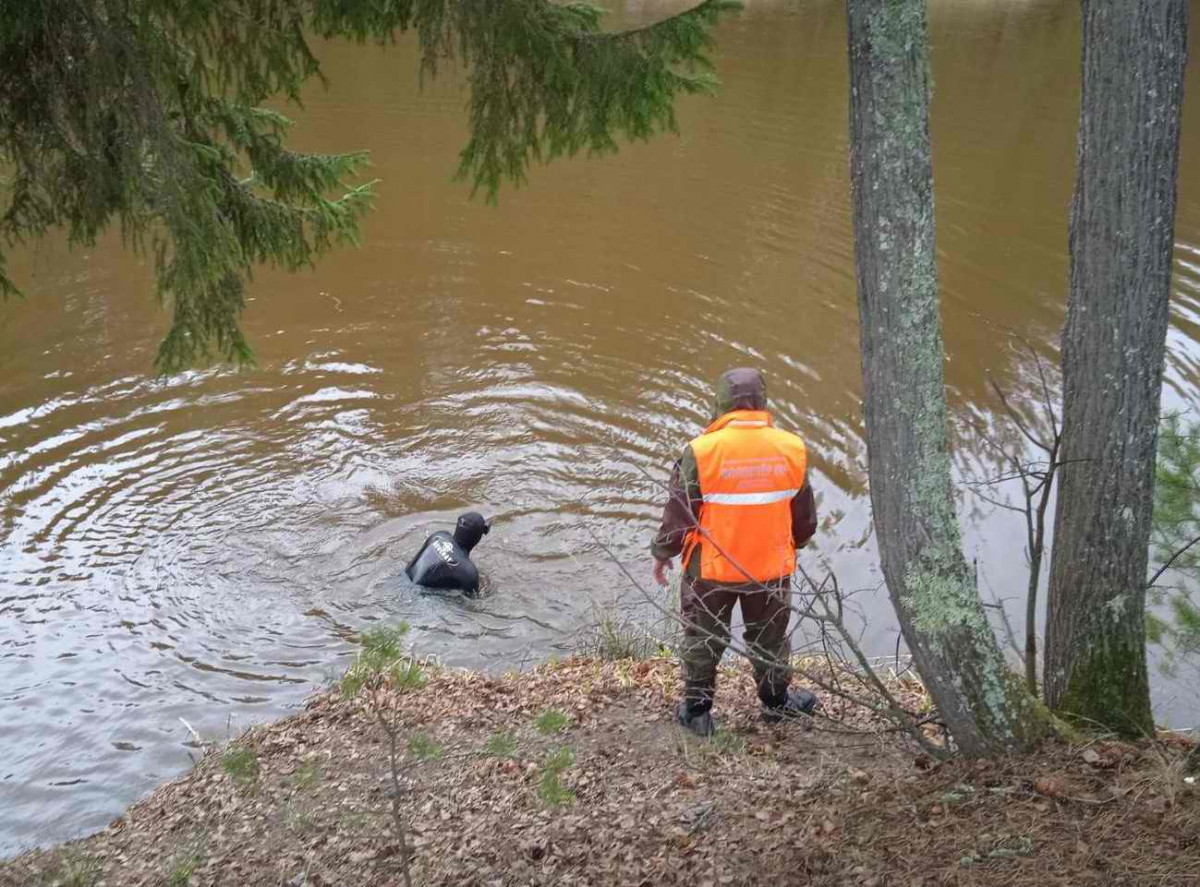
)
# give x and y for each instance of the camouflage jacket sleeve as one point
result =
(804, 515)
(682, 510)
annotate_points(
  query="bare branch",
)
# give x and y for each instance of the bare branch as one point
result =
(1171, 560)
(1015, 416)
(999, 504)
(896, 711)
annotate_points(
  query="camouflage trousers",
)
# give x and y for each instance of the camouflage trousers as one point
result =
(707, 608)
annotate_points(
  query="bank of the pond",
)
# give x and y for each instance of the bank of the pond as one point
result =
(492, 798)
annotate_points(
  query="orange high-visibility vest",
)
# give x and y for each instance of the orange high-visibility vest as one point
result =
(749, 471)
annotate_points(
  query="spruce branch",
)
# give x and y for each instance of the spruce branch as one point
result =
(147, 114)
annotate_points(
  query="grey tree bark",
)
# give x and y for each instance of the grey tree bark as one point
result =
(1114, 342)
(930, 584)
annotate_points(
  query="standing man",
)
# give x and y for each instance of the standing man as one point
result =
(739, 505)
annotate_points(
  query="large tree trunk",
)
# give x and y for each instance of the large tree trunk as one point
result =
(1122, 236)
(891, 176)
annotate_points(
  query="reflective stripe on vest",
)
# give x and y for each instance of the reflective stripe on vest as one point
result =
(750, 498)
(749, 471)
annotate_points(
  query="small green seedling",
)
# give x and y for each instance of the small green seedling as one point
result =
(78, 870)
(240, 763)
(552, 721)
(307, 775)
(725, 742)
(502, 745)
(297, 818)
(383, 656)
(423, 748)
(550, 787)
(182, 871)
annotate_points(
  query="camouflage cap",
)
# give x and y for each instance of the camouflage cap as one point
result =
(741, 388)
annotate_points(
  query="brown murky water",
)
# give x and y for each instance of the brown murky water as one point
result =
(200, 548)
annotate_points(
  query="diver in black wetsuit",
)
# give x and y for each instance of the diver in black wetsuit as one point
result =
(444, 561)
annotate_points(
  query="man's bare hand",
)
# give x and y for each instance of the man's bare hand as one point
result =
(660, 572)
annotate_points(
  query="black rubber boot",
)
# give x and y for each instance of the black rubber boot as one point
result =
(701, 723)
(798, 703)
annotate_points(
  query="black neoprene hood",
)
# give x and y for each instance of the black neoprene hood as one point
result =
(471, 527)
